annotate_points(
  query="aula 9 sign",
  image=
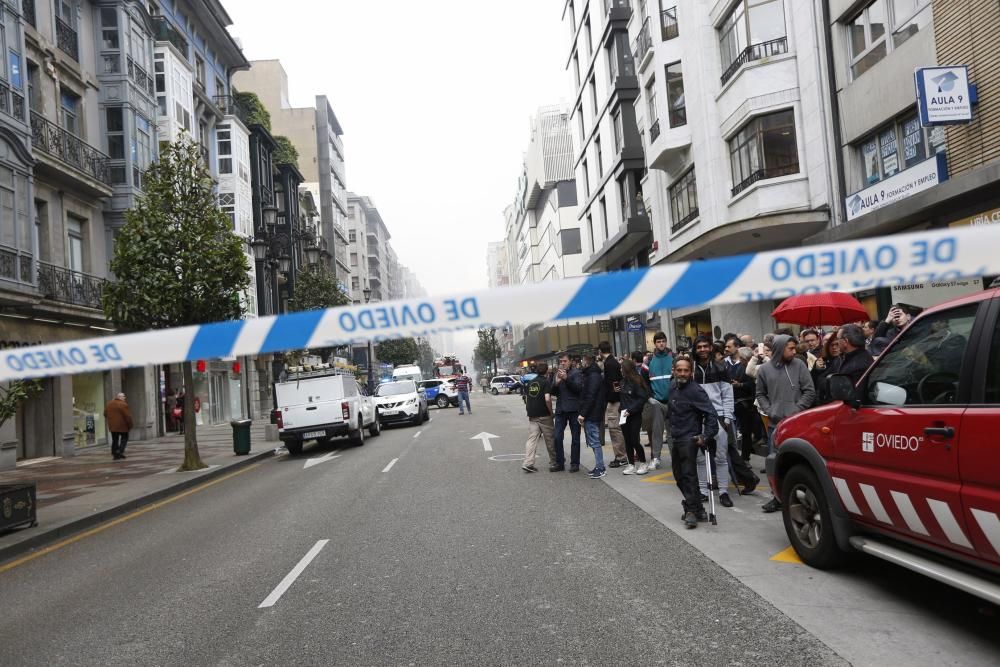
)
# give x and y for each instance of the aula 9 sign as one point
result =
(943, 95)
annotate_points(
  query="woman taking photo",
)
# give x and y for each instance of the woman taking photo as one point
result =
(634, 394)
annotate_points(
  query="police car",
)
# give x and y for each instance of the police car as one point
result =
(440, 392)
(505, 384)
(906, 465)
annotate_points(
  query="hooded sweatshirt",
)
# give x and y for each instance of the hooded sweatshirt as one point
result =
(784, 389)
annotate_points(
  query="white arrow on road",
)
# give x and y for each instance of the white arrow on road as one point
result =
(315, 461)
(485, 437)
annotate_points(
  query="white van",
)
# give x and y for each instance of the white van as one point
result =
(407, 373)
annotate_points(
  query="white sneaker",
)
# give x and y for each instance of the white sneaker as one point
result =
(654, 464)
(642, 469)
(629, 470)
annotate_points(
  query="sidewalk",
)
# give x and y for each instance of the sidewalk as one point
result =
(79, 492)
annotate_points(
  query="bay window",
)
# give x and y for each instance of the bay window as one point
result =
(683, 200)
(752, 30)
(765, 148)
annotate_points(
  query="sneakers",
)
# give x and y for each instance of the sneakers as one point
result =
(529, 468)
(690, 520)
(617, 463)
(597, 473)
(654, 464)
(725, 500)
(629, 470)
(641, 469)
(574, 467)
(773, 505)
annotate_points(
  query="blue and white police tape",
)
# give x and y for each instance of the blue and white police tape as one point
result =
(849, 266)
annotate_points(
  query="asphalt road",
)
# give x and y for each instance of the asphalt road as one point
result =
(447, 557)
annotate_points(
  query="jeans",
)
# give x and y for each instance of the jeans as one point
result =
(592, 430)
(564, 419)
(683, 459)
(633, 448)
(463, 399)
(118, 443)
(658, 432)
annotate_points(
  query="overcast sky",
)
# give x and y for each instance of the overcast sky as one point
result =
(435, 101)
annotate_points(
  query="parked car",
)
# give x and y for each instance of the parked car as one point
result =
(504, 384)
(441, 393)
(320, 404)
(905, 466)
(401, 401)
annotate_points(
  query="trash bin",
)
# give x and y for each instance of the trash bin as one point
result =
(241, 436)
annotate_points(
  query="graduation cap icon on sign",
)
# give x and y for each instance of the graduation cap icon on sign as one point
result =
(945, 82)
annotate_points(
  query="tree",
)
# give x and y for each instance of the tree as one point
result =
(285, 153)
(488, 350)
(15, 393)
(251, 110)
(426, 356)
(177, 262)
(315, 288)
(398, 351)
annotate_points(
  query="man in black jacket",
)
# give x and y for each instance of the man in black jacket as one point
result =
(693, 421)
(612, 384)
(566, 388)
(593, 403)
(856, 359)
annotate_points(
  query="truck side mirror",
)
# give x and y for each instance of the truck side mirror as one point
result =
(841, 388)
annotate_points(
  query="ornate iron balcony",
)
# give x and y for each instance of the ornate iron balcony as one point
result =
(140, 77)
(66, 286)
(679, 224)
(643, 42)
(53, 140)
(66, 39)
(775, 47)
(764, 174)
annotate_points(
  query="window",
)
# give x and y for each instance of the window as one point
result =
(34, 95)
(576, 69)
(764, 148)
(600, 158)
(114, 119)
(683, 200)
(569, 242)
(590, 229)
(590, 37)
(604, 218)
(586, 180)
(74, 247)
(908, 18)
(227, 202)
(142, 149)
(924, 364)
(199, 71)
(354, 259)
(867, 35)
(583, 131)
(676, 107)
(70, 112)
(593, 98)
(225, 149)
(616, 127)
(109, 29)
(220, 86)
(753, 29)
(160, 79)
(651, 101)
(352, 236)
(899, 146)
(355, 282)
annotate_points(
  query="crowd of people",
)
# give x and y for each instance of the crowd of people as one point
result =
(722, 399)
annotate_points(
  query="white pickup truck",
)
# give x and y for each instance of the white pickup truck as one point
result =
(320, 403)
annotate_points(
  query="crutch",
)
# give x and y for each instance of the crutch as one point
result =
(711, 492)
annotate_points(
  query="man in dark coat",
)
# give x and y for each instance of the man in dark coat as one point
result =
(856, 358)
(119, 418)
(593, 404)
(566, 388)
(693, 421)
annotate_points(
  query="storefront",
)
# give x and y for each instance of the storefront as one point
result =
(218, 391)
(89, 399)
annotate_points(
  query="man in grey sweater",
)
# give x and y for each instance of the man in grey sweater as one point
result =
(784, 388)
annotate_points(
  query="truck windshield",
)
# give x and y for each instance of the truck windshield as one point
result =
(395, 388)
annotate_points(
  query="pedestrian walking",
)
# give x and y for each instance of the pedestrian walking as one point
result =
(593, 409)
(661, 365)
(784, 388)
(566, 388)
(714, 379)
(119, 417)
(463, 384)
(612, 385)
(179, 410)
(538, 403)
(692, 421)
(634, 395)
(484, 383)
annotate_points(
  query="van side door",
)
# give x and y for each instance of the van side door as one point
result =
(896, 458)
(979, 458)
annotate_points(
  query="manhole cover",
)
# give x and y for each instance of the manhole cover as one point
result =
(507, 457)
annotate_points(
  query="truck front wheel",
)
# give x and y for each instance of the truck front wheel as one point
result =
(808, 523)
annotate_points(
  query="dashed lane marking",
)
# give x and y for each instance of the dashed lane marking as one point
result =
(290, 578)
(389, 467)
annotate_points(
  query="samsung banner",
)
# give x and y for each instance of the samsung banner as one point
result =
(919, 177)
(944, 95)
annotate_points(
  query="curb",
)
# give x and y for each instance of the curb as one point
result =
(46, 537)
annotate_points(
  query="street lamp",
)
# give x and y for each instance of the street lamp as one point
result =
(270, 215)
(371, 364)
(312, 254)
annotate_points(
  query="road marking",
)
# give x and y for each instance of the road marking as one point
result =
(485, 437)
(316, 460)
(290, 578)
(661, 478)
(417, 434)
(787, 556)
(507, 457)
(389, 467)
(128, 517)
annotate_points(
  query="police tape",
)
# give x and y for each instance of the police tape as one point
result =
(925, 257)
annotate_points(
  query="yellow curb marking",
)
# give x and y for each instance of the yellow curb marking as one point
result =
(662, 478)
(122, 519)
(787, 556)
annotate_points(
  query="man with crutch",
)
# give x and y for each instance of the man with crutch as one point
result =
(692, 422)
